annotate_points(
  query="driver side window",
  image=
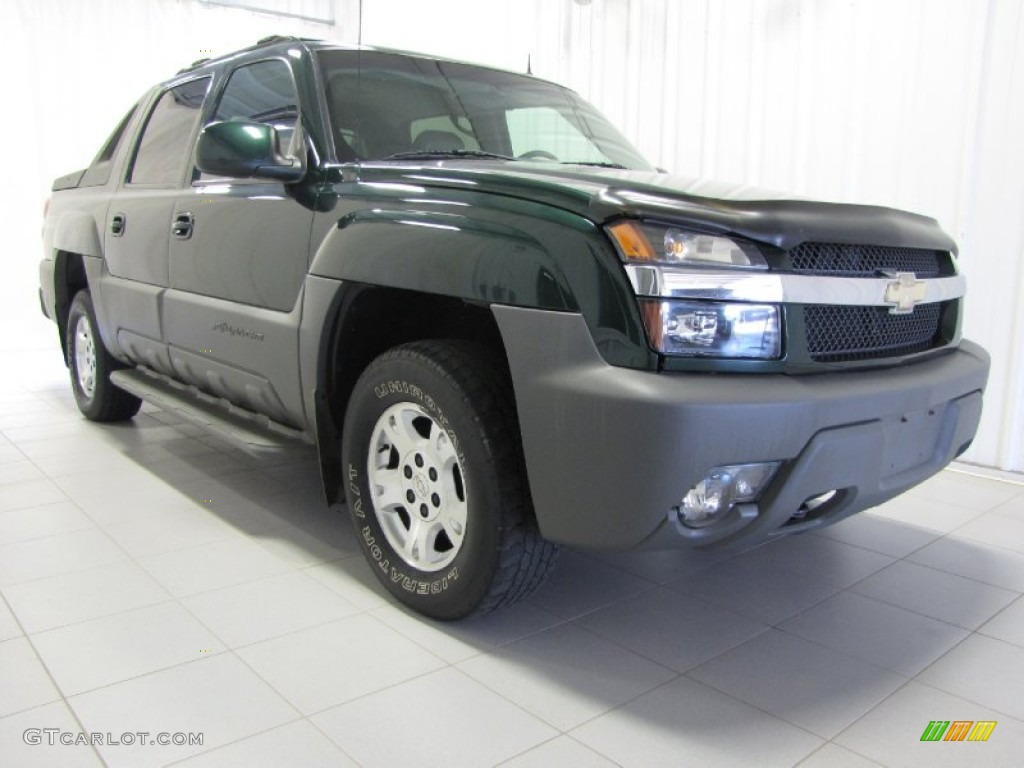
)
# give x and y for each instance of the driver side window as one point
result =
(263, 92)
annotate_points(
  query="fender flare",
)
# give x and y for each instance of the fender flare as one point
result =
(77, 232)
(446, 255)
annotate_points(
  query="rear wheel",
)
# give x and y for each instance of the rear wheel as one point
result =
(91, 365)
(437, 487)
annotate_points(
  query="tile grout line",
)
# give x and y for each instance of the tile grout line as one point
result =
(56, 687)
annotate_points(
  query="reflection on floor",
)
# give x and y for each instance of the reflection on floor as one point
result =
(157, 580)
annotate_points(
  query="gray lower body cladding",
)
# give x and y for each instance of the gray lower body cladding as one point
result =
(611, 451)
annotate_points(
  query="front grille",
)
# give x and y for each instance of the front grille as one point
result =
(866, 260)
(838, 334)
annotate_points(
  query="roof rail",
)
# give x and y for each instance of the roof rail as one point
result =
(269, 40)
(193, 65)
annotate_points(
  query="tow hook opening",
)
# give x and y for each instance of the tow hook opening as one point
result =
(815, 507)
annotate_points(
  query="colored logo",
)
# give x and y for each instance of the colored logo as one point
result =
(958, 730)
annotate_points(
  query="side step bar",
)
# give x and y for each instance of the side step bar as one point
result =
(252, 432)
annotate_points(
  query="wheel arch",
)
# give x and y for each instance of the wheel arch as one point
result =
(69, 277)
(75, 237)
(365, 321)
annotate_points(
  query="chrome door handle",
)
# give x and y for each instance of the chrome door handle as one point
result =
(182, 226)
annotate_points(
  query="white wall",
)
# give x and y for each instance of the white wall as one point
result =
(73, 68)
(993, 233)
(917, 104)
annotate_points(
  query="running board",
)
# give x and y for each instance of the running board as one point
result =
(254, 433)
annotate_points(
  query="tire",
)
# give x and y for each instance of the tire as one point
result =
(91, 365)
(436, 481)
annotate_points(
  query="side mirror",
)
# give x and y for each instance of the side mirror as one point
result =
(245, 149)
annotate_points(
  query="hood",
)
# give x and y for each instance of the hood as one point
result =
(604, 194)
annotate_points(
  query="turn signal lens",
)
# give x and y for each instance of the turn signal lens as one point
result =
(630, 239)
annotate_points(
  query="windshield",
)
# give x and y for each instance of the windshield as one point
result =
(388, 106)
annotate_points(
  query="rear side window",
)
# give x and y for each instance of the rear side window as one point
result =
(166, 139)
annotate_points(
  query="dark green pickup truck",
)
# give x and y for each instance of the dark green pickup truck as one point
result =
(500, 327)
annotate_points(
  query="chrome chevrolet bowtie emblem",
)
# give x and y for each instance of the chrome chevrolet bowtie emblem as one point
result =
(904, 293)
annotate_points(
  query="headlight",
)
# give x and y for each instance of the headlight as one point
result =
(664, 261)
(713, 329)
(642, 242)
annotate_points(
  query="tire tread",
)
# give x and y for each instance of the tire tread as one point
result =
(109, 403)
(525, 557)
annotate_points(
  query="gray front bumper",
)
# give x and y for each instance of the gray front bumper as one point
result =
(610, 451)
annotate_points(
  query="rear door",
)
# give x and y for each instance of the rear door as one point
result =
(138, 222)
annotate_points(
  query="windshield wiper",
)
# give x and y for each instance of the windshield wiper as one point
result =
(595, 164)
(429, 153)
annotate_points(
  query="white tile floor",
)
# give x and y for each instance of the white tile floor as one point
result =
(154, 579)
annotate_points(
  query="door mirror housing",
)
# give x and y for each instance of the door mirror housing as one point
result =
(245, 149)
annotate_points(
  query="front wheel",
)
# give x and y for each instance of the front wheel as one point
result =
(91, 365)
(436, 483)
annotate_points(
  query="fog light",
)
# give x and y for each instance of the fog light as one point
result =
(723, 488)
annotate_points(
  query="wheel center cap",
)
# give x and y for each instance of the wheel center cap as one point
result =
(419, 484)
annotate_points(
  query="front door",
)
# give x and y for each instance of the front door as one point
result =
(238, 258)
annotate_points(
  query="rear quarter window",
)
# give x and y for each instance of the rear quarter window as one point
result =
(99, 171)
